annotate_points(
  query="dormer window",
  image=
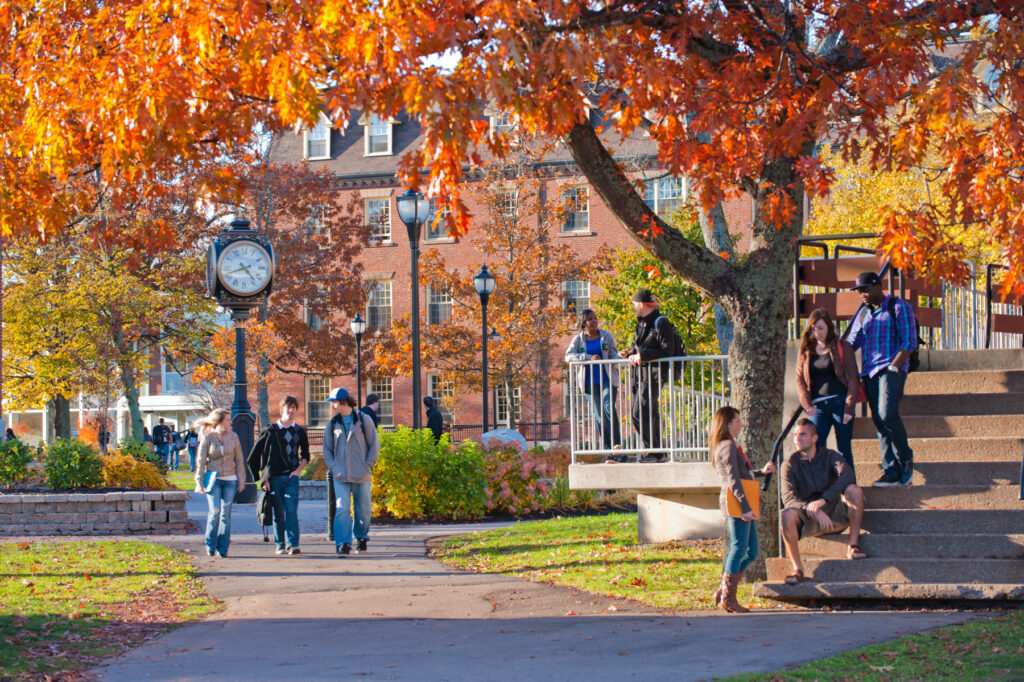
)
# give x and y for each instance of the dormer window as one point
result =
(503, 122)
(318, 140)
(378, 136)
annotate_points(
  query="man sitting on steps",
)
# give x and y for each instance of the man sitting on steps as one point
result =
(819, 495)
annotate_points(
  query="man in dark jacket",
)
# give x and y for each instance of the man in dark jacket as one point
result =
(162, 440)
(435, 422)
(651, 341)
(371, 407)
(279, 455)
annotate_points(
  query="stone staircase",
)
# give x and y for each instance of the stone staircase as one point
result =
(957, 532)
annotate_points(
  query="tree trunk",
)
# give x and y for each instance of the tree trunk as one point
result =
(59, 408)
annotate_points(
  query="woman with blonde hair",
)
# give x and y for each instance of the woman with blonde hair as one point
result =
(733, 466)
(220, 455)
(827, 382)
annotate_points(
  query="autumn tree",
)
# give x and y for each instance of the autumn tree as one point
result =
(734, 93)
(318, 284)
(529, 309)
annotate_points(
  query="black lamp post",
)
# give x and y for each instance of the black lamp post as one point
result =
(484, 285)
(358, 327)
(414, 209)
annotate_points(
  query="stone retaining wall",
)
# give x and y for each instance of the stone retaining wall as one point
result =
(312, 490)
(160, 512)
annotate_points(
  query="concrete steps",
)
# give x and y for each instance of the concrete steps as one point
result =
(956, 533)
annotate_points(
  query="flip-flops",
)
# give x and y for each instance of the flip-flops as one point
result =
(855, 552)
(795, 578)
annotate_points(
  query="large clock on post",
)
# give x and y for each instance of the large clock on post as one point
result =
(240, 275)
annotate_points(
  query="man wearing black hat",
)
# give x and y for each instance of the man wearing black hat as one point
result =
(651, 341)
(435, 420)
(886, 333)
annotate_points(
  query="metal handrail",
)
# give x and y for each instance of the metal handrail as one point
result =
(776, 458)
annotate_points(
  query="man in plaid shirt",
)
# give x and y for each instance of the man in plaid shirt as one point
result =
(886, 333)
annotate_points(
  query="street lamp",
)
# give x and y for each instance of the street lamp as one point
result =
(484, 285)
(414, 209)
(358, 327)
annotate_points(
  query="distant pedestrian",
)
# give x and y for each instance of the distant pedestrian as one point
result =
(372, 408)
(147, 439)
(651, 341)
(827, 382)
(886, 333)
(351, 448)
(599, 382)
(221, 461)
(734, 467)
(162, 440)
(279, 456)
(191, 444)
(177, 445)
(435, 420)
(9, 434)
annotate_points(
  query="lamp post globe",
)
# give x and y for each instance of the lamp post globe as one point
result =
(358, 327)
(484, 284)
(413, 210)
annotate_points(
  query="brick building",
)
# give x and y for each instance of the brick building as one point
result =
(364, 159)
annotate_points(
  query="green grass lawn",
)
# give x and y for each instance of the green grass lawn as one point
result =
(182, 479)
(599, 554)
(66, 605)
(989, 649)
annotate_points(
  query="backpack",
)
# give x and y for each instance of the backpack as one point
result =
(264, 513)
(915, 355)
(677, 348)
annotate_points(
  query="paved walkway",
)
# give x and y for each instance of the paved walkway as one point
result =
(394, 614)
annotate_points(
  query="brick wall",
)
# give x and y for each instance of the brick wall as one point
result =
(159, 512)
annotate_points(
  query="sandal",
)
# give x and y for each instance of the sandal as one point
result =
(795, 578)
(855, 552)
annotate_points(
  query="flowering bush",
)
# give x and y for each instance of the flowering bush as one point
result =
(125, 471)
(513, 479)
(558, 457)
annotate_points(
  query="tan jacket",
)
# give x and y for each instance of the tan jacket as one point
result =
(846, 372)
(224, 457)
(731, 466)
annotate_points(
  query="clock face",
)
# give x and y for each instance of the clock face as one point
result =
(244, 268)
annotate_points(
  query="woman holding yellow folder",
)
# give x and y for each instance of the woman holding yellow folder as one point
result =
(738, 501)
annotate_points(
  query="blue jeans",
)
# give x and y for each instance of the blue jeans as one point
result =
(884, 392)
(351, 497)
(743, 547)
(603, 402)
(218, 520)
(164, 449)
(191, 458)
(284, 495)
(174, 459)
(830, 413)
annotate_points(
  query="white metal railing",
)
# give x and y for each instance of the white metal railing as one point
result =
(631, 414)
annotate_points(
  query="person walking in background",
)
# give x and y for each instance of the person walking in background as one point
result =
(9, 434)
(599, 382)
(220, 456)
(733, 467)
(191, 444)
(371, 409)
(651, 341)
(176, 445)
(435, 420)
(351, 448)
(278, 457)
(886, 333)
(162, 440)
(147, 440)
(827, 382)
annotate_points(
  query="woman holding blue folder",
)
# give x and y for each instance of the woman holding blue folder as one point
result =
(219, 468)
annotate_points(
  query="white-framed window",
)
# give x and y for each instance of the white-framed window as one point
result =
(318, 412)
(506, 203)
(313, 321)
(501, 403)
(378, 217)
(385, 389)
(577, 211)
(443, 393)
(575, 295)
(378, 136)
(175, 372)
(316, 221)
(504, 122)
(439, 305)
(440, 229)
(378, 307)
(665, 195)
(317, 141)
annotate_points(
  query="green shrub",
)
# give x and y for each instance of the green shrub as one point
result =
(14, 459)
(70, 463)
(416, 478)
(514, 482)
(559, 494)
(141, 452)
